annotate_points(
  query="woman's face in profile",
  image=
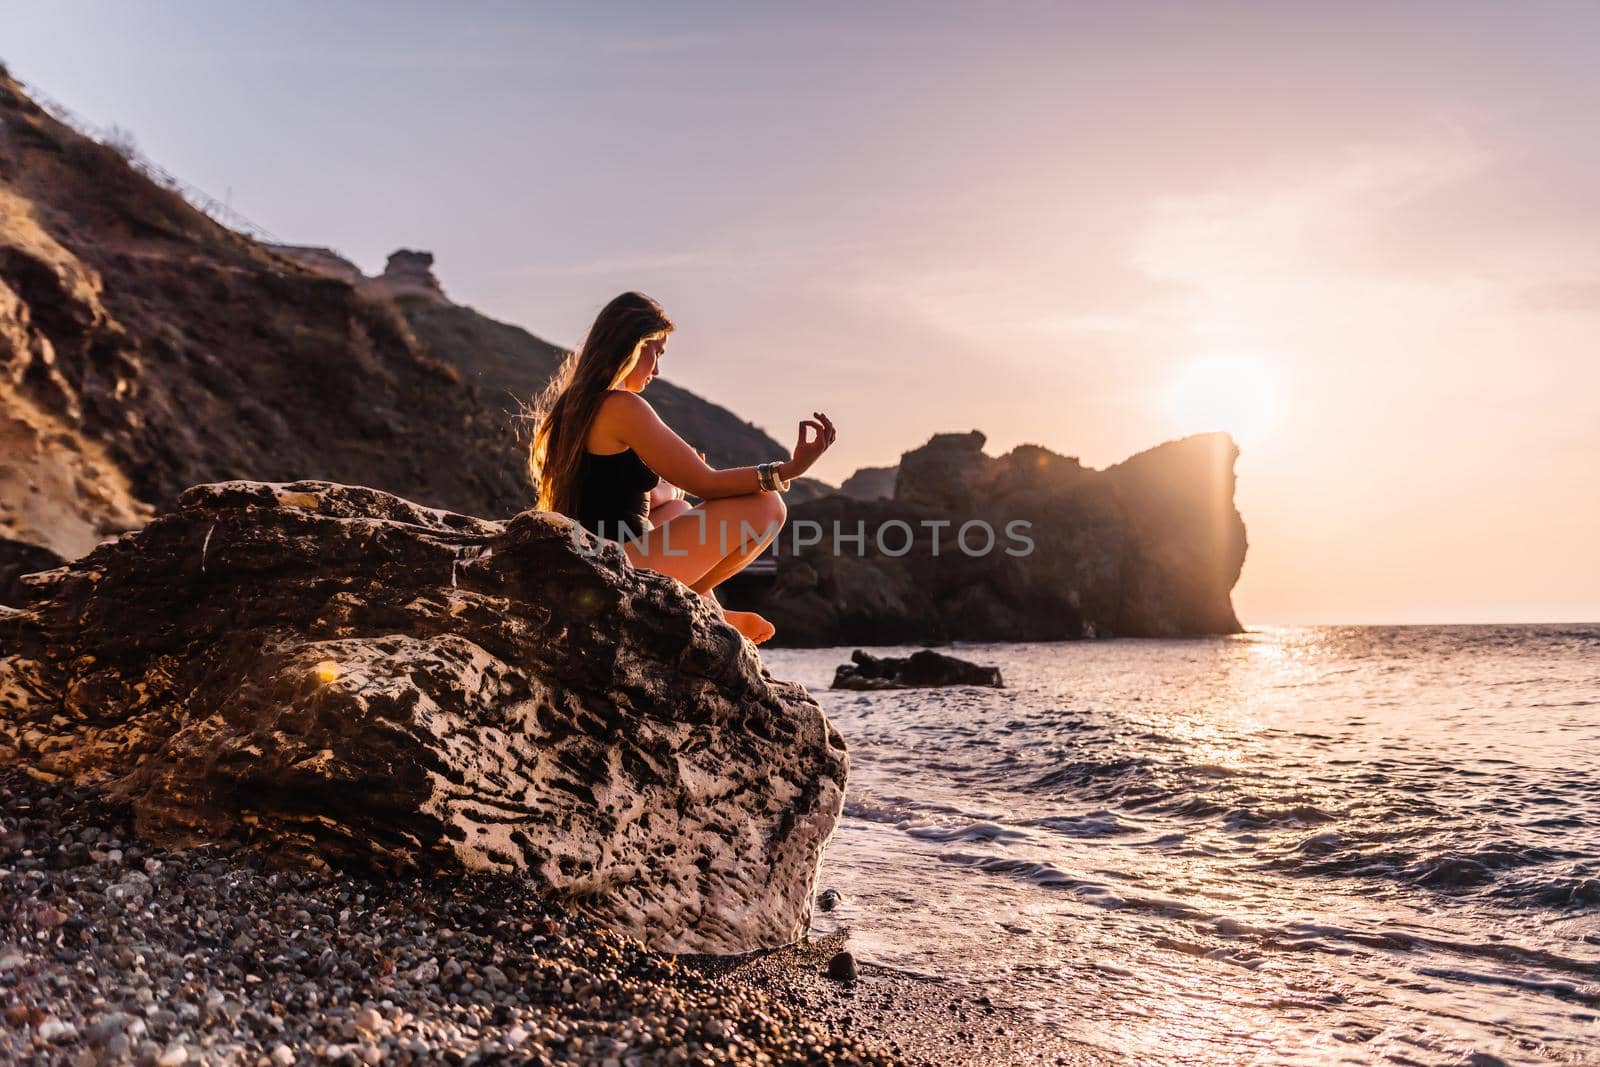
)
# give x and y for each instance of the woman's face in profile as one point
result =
(645, 369)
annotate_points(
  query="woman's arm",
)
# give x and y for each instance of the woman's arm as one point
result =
(641, 429)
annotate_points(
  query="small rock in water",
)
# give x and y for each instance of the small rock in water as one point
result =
(924, 668)
(842, 968)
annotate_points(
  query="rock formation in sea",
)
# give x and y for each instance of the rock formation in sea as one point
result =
(921, 669)
(338, 676)
(1150, 547)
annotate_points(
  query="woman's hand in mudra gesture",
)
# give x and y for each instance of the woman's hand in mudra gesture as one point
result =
(664, 492)
(808, 451)
(666, 503)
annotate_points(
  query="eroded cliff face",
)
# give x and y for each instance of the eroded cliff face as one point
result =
(144, 348)
(1151, 547)
(61, 353)
(336, 675)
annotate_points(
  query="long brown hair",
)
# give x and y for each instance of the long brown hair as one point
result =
(565, 409)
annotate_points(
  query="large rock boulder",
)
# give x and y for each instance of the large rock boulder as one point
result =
(336, 675)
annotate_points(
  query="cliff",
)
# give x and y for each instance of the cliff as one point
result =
(1150, 547)
(339, 677)
(146, 348)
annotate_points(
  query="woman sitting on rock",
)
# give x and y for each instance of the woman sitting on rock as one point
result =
(601, 455)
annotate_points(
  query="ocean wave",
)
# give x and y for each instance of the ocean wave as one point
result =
(1184, 807)
(980, 831)
(1102, 774)
(1565, 990)
(1270, 818)
(1449, 872)
(1499, 870)
(1562, 893)
(1093, 824)
(1045, 875)
(900, 811)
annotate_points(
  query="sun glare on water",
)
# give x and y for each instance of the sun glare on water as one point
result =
(1231, 393)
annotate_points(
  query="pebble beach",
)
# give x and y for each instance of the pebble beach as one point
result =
(112, 951)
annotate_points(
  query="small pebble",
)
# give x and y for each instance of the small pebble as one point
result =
(52, 1030)
(842, 968)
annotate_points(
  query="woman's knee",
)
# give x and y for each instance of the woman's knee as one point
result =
(772, 509)
(763, 511)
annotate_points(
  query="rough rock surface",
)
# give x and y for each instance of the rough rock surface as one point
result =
(918, 670)
(336, 675)
(16, 559)
(1150, 547)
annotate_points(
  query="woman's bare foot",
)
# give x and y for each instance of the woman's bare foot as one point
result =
(753, 626)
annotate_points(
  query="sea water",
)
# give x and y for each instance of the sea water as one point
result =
(1300, 845)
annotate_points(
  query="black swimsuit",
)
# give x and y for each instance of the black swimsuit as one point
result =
(614, 494)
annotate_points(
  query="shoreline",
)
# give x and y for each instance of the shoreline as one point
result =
(112, 951)
(921, 1021)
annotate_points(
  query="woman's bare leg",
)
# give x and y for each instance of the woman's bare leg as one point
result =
(734, 562)
(708, 544)
(752, 625)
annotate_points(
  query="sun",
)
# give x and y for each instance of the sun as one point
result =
(1232, 393)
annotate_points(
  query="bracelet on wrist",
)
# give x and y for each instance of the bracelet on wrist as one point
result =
(769, 479)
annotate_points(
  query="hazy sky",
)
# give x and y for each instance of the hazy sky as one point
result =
(1378, 224)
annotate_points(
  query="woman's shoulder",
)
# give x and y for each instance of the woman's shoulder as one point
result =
(620, 411)
(623, 407)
